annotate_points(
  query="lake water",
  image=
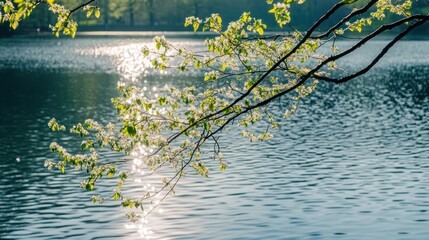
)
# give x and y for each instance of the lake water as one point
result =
(353, 163)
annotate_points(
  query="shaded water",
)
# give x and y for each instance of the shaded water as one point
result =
(353, 163)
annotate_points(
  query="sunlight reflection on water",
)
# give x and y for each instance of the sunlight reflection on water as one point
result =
(129, 62)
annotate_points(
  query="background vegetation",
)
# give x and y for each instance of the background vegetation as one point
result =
(163, 15)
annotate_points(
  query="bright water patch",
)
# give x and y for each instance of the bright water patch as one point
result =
(85, 55)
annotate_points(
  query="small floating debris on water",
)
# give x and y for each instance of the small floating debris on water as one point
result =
(18, 159)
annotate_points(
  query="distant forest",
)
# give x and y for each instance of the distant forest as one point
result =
(161, 15)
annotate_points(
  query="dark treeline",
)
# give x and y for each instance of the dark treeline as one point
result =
(152, 15)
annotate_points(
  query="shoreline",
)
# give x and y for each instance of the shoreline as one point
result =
(177, 34)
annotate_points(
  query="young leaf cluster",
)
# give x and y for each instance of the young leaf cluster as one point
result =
(15, 11)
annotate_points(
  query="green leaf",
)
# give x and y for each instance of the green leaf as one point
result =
(348, 1)
(369, 21)
(245, 17)
(116, 196)
(260, 31)
(161, 101)
(14, 24)
(89, 12)
(97, 13)
(73, 33)
(273, 10)
(211, 106)
(201, 169)
(19, 14)
(123, 176)
(223, 66)
(7, 8)
(223, 166)
(111, 173)
(207, 126)
(145, 51)
(131, 130)
(219, 19)
(195, 25)
(89, 186)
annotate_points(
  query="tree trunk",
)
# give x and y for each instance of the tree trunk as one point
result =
(151, 13)
(131, 12)
(196, 8)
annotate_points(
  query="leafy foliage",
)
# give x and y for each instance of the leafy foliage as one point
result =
(246, 71)
(15, 11)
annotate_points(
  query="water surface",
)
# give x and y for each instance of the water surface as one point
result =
(353, 163)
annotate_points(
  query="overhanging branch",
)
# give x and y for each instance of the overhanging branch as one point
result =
(421, 21)
(354, 13)
(266, 74)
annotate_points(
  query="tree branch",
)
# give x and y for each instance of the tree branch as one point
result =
(305, 77)
(355, 12)
(378, 57)
(81, 6)
(268, 72)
